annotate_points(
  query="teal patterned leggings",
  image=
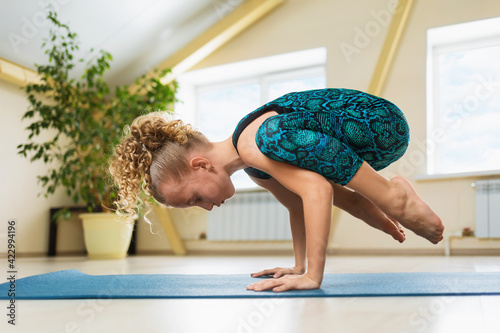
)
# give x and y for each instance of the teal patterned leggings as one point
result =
(332, 131)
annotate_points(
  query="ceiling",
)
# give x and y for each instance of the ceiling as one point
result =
(138, 34)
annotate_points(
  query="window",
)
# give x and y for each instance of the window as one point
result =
(463, 98)
(215, 99)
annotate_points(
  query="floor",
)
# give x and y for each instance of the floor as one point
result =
(345, 315)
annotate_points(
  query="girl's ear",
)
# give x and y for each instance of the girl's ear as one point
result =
(200, 163)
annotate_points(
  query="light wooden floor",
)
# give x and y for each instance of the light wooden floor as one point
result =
(352, 314)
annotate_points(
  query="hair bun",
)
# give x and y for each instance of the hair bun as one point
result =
(153, 147)
(152, 130)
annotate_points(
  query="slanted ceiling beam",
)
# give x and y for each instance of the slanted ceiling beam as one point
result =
(223, 31)
(17, 74)
(391, 43)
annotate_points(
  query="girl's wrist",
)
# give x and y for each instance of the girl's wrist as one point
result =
(316, 277)
(316, 280)
(315, 274)
(300, 268)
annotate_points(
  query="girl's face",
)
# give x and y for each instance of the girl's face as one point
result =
(201, 187)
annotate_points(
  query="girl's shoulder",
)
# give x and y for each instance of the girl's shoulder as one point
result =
(247, 147)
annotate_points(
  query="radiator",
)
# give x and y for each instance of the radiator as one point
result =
(254, 216)
(488, 208)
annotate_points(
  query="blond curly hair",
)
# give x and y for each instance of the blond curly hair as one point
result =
(152, 150)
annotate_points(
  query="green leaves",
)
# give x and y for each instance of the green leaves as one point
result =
(82, 119)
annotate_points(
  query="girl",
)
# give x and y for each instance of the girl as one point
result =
(310, 149)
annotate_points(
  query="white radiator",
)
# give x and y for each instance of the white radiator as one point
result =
(249, 216)
(488, 208)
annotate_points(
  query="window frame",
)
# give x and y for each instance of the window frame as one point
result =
(442, 40)
(242, 71)
(264, 81)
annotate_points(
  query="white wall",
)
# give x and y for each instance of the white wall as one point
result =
(19, 189)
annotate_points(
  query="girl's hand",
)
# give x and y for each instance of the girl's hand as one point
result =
(279, 272)
(284, 283)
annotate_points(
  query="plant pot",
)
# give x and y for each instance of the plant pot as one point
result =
(106, 235)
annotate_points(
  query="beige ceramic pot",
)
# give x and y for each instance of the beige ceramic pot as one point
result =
(107, 235)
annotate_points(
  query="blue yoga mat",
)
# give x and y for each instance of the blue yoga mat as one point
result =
(73, 284)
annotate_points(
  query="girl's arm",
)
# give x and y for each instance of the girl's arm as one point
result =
(293, 203)
(316, 194)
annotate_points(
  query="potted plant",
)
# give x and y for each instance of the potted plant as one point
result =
(84, 121)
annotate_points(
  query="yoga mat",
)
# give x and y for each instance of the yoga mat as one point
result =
(73, 284)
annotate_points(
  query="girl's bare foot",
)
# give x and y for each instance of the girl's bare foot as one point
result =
(413, 213)
(399, 228)
(360, 207)
(374, 217)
